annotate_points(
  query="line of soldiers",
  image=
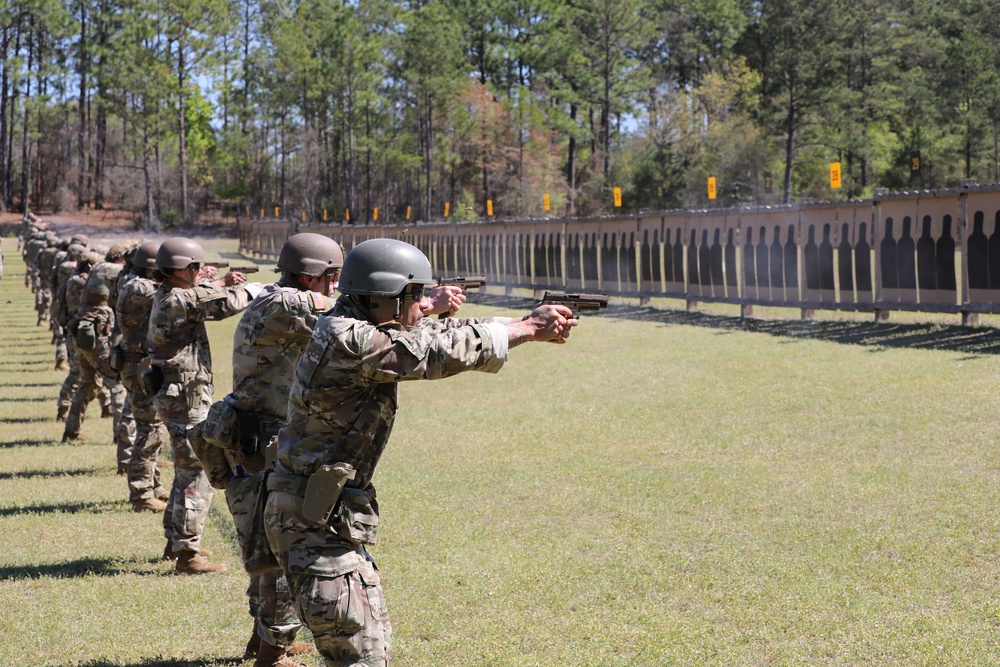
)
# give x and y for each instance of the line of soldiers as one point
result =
(295, 445)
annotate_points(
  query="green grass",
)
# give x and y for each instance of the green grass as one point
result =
(663, 490)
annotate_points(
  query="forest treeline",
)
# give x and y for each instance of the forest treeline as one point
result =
(173, 107)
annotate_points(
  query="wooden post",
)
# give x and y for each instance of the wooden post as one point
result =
(691, 304)
(969, 318)
(746, 311)
(882, 314)
(807, 313)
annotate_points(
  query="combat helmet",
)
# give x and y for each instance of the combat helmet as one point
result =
(118, 251)
(383, 267)
(145, 256)
(178, 253)
(309, 254)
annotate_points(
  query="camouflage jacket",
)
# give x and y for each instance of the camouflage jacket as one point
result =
(106, 274)
(103, 318)
(178, 341)
(74, 294)
(47, 266)
(270, 338)
(344, 397)
(132, 310)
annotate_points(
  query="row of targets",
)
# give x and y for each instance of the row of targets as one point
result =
(265, 238)
(916, 250)
(901, 250)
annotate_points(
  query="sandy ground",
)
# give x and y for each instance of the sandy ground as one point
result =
(110, 225)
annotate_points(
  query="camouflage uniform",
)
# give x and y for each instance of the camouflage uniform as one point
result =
(341, 409)
(46, 275)
(73, 299)
(178, 345)
(132, 309)
(94, 364)
(271, 336)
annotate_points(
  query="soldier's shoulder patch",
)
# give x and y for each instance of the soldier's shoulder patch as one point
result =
(313, 301)
(318, 301)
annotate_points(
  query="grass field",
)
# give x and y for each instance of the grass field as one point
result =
(669, 488)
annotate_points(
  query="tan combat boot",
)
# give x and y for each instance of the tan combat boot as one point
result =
(162, 494)
(61, 413)
(170, 554)
(149, 505)
(61, 365)
(274, 656)
(295, 648)
(192, 562)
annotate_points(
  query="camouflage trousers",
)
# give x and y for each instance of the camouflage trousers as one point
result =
(62, 348)
(335, 588)
(43, 304)
(143, 475)
(270, 603)
(272, 608)
(72, 380)
(93, 373)
(182, 408)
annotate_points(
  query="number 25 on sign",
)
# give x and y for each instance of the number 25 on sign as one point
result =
(835, 175)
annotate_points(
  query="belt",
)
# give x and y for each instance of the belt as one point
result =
(182, 377)
(279, 480)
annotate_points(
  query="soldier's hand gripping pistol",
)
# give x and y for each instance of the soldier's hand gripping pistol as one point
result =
(577, 303)
(466, 283)
(245, 268)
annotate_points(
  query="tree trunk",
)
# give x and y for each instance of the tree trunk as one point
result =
(25, 161)
(81, 135)
(182, 132)
(4, 159)
(789, 143)
(102, 107)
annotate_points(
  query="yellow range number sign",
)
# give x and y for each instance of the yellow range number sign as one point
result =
(618, 197)
(711, 187)
(835, 175)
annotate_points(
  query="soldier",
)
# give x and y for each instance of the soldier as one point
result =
(106, 274)
(132, 310)
(340, 413)
(72, 299)
(45, 269)
(270, 338)
(181, 376)
(96, 315)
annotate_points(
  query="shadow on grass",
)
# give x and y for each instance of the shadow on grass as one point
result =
(40, 362)
(31, 474)
(34, 399)
(64, 508)
(101, 567)
(971, 340)
(162, 662)
(26, 420)
(29, 442)
(26, 384)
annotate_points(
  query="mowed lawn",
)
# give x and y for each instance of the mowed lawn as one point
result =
(652, 493)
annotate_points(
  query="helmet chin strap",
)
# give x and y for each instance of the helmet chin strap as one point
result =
(369, 306)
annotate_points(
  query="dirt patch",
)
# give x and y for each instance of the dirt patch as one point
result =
(116, 224)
